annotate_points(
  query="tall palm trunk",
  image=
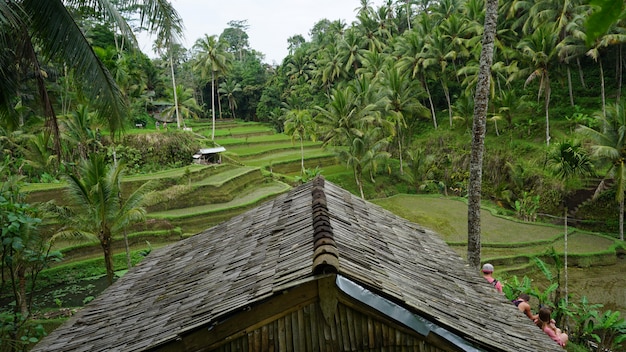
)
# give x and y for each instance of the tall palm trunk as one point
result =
(430, 100)
(602, 88)
(175, 95)
(302, 154)
(621, 219)
(580, 73)
(547, 108)
(446, 92)
(565, 255)
(105, 242)
(478, 135)
(213, 104)
(569, 86)
(620, 67)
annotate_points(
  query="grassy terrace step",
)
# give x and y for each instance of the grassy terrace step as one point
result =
(252, 140)
(198, 218)
(217, 188)
(285, 156)
(43, 192)
(246, 151)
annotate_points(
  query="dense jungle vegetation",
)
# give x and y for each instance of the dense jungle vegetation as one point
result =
(391, 94)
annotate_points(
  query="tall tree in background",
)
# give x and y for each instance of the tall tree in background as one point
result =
(169, 36)
(478, 135)
(609, 144)
(211, 60)
(51, 27)
(539, 50)
(299, 124)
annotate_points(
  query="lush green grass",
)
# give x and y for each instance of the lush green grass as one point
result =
(261, 148)
(267, 138)
(284, 156)
(245, 199)
(171, 173)
(243, 130)
(448, 217)
(223, 177)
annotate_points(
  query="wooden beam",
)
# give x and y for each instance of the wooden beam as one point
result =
(239, 324)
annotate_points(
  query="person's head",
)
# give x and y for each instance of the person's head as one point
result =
(524, 297)
(544, 314)
(487, 269)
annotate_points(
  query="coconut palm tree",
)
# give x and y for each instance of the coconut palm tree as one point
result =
(98, 210)
(409, 49)
(52, 28)
(186, 106)
(609, 144)
(402, 104)
(299, 124)
(539, 51)
(229, 88)
(211, 60)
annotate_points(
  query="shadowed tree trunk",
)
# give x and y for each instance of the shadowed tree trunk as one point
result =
(478, 135)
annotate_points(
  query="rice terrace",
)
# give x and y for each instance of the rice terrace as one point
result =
(425, 176)
(200, 196)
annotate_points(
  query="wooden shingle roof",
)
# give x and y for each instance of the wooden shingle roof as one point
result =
(312, 229)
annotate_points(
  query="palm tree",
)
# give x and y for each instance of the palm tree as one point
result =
(98, 210)
(299, 124)
(185, 106)
(478, 135)
(54, 29)
(167, 43)
(229, 88)
(363, 154)
(609, 144)
(539, 51)
(78, 132)
(567, 161)
(211, 61)
(402, 104)
(409, 49)
(438, 53)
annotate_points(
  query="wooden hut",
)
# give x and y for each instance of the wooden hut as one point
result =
(315, 269)
(209, 155)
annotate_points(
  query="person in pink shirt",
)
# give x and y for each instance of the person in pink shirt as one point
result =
(487, 274)
(548, 326)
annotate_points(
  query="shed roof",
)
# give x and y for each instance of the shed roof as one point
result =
(268, 249)
(212, 150)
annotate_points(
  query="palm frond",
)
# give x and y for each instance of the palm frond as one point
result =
(60, 36)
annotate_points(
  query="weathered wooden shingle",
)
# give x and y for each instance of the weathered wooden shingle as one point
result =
(258, 254)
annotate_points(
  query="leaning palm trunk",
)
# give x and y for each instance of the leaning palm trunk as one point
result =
(547, 107)
(602, 88)
(569, 86)
(213, 104)
(175, 95)
(478, 134)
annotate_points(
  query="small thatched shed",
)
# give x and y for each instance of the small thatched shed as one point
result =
(315, 269)
(209, 155)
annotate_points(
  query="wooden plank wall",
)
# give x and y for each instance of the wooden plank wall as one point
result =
(305, 330)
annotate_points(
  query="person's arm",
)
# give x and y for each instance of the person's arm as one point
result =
(525, 307)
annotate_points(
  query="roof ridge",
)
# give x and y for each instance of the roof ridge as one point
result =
(325, 253)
